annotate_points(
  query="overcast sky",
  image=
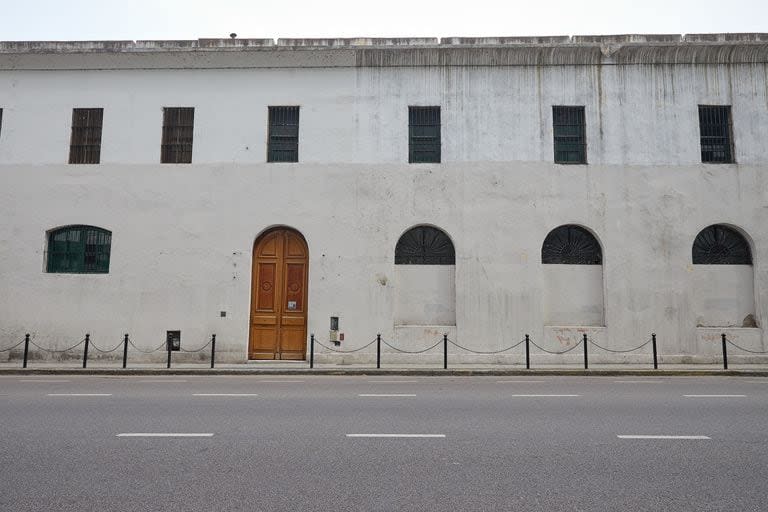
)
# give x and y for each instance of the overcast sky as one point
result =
(191, 19)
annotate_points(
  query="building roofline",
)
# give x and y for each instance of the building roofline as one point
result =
(210, 44)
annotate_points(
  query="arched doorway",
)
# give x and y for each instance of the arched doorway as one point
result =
(279, 296)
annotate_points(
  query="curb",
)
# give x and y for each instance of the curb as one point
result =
(401, 372)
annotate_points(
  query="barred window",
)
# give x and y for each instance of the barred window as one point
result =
(283, 141)
(721, 245)
(85, 143)
(570, 137)
(571, 245)
(424, 245)
(423, 135)
(178, 125)
(79, 250)
(715, 127)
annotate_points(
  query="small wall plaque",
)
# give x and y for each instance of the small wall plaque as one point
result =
(291, 305)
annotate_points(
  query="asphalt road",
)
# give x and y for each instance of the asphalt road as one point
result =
(303, 443)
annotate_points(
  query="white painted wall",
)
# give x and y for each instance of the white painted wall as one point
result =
(725, 295)
(573, 295)
(425, 295)
(183, 234)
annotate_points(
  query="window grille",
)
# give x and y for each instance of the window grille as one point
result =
(716, 134)
(424, 245)
(283, 141)
(721, 245)
(79, 250)
(570, 137)
(85, 143)
(571, 245)
(424, 135)
(178, 126)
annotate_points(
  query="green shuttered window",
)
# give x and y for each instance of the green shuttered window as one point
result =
(570, 135)
(79, 250)
(423, 135)
(283, 142)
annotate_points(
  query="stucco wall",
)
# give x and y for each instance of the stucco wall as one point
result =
(425, 295)
(725, 295)
(573, 295)
(183, 234)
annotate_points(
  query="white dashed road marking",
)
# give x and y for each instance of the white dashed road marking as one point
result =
(434, 436)
(369, 395)
(663, 437)
(167, 434)
(715, 396)
(79, 394)
(225, 394)
(543, 396)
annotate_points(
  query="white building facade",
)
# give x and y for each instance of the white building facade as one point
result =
(485, 188)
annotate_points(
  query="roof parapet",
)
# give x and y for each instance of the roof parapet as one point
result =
(753, 37)
(629, 38)
(359, 41)
(487, 41)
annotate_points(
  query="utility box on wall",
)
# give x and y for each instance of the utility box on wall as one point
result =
(173, 340)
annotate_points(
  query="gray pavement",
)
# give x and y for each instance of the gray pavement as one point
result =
(547, 443)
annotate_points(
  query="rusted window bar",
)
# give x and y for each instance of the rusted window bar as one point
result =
(569, 129)
(424, 144)
(716, 134)
(85, 143)
(178, 127)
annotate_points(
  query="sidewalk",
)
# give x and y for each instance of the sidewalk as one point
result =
(302, 368)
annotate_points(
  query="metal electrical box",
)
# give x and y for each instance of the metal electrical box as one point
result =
(173, 340)
(334, 333)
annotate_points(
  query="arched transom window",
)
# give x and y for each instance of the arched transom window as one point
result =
(571, 245)
(79, 250)
(721, 245)
(424, 245)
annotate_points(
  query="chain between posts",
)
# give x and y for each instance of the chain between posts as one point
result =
(621, 351)
(414, 351)
(746, 349)
(490, 353)
(13, 347)
(56, 351)
(556, 353)
(345, 351)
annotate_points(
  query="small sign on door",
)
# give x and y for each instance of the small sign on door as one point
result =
(291, 305)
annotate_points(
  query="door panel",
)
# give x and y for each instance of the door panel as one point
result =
(279, 296)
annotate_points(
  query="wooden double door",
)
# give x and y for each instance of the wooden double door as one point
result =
(279, 296)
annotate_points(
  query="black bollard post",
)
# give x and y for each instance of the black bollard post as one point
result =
(725, 353)
(125, 350)
(312, 350)
(586, 358)
(85, 350)
(213, 349)
(378, 351)
(527, 352)
(169, 353)
(26, 350)
(655, 358)
(445, 351)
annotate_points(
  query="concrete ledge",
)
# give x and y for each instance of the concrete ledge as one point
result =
(468, 372)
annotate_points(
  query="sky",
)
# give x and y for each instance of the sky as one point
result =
(192, 19)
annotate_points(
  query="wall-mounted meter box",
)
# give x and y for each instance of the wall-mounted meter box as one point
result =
(173, 340)
(334, 333)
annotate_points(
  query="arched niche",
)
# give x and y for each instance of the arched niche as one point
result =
(723, 278)
(572, 261)
(425, 276)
